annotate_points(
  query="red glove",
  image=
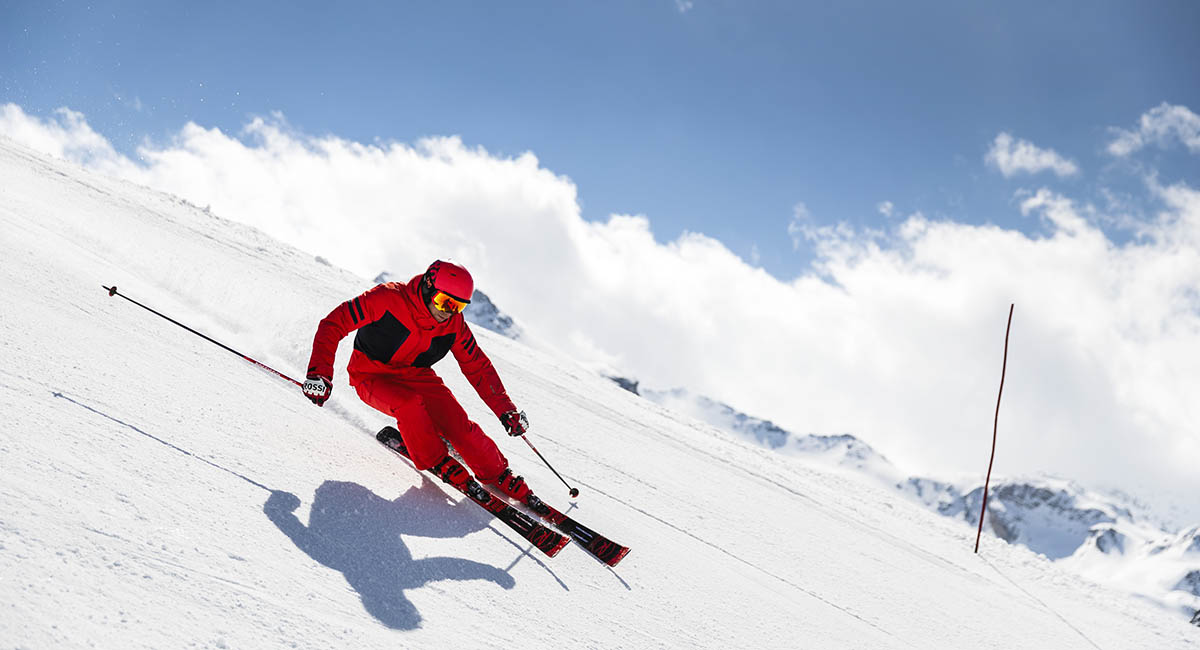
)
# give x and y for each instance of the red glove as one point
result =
(317, 389)
(515, 423)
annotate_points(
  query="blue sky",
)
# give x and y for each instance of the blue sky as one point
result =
(716, 117)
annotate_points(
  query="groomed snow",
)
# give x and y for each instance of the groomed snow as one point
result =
(160, 492)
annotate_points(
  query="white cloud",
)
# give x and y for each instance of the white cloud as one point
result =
(1012, 157)
(886, 208)
(67, 136)
(1159, 125)
(800, 225)
(895, 336)
(684, 6)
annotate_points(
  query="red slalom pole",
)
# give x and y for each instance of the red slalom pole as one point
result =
(112, 291)
(995, 424)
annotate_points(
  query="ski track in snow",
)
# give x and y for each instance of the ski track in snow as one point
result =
(162, 492)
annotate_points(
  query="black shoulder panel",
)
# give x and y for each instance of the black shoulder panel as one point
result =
(437, 349)
(380, 340)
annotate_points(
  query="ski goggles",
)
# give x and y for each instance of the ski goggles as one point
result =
(448, 303)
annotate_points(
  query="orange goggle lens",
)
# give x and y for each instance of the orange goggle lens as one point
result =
(447, 303)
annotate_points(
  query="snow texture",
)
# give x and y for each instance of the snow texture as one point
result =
(1112, 539)
(159, 492)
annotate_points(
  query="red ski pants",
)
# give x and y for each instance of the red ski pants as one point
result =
(428, 416)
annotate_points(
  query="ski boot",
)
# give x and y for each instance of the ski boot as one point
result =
(452, 472)
(515, 488)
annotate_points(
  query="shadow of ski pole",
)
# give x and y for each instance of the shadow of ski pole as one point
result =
(160, 440)
(1040, 602)
(526, 553)
(611, 570)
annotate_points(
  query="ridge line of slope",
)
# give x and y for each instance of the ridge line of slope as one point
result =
(790, 490)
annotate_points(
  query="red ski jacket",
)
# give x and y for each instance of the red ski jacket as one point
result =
(398, 336)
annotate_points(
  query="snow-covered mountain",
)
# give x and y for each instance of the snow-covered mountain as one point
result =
(1111, 539)
(482, 311)
(1048, 516)
(1103, 537)
(840, 450)
(159, 492)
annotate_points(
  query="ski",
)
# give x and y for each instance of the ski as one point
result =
(453, 474)
(604, 549)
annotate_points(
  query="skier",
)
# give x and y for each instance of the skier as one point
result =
(403, 329)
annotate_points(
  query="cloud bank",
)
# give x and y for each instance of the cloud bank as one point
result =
(1012, 156)
(895, 336)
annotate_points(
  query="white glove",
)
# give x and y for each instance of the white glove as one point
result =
(317, 389)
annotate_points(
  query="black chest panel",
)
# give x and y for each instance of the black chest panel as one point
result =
(380, 340)
(437, 349)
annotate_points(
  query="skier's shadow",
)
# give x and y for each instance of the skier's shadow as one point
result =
(354, 531)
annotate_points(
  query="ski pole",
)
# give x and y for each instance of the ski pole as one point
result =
(574, 492)
(112, 291)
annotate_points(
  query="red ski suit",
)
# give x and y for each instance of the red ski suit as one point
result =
(397, 342)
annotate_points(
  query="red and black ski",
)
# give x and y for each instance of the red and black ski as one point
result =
(453, 474)
(604, 549)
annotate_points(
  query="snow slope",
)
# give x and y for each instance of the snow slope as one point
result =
(1113, 539)
(160, 492)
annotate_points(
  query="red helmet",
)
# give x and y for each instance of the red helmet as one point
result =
(450, 279)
